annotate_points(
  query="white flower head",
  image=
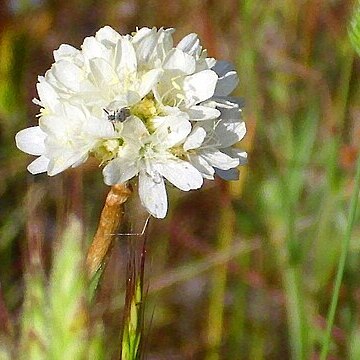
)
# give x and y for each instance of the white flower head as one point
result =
(143, 108)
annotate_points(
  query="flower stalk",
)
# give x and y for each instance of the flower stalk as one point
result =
(134, 307)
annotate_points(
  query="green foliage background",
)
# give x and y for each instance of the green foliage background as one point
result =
(240, 271)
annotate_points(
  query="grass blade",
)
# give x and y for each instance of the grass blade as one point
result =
(342, 260)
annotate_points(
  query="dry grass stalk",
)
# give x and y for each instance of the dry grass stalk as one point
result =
(111, 217)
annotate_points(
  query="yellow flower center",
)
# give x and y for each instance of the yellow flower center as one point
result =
(144, 109)
(107, 149)
(179, 152)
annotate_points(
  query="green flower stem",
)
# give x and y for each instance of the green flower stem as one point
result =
(341, 265)
(295, 312)
(218, 286)
(131, 347)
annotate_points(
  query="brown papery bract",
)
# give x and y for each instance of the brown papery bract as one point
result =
(111, 217)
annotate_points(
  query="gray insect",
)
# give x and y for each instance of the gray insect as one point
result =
(119, 115)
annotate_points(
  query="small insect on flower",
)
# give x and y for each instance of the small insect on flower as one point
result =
(119, 115)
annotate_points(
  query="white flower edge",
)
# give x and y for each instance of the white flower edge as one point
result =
(63, 140)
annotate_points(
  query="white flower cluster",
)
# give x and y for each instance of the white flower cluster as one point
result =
(142, 107)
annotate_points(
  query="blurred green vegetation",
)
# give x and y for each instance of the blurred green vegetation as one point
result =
(239, 271)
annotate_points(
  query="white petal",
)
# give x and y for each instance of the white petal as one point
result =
(149, 80)
(31, 140)
(67, 124)
(240, 154)
(140, 34)
(146, 46)
(107, 35)
(92, 48)
(231, 174)
(134, 129)
(172, 131)
(53, 125)
(74, 114)
(199, 113)
(68, 74)
(226, 84)
(39, 165)
(195, 139)
(228, 102)
(181, 173)
(99, 128)
(60, 127)
(80, 161)
(230, 131)
(153, 195)
(190, 44)
(119, 171)
(223, 67)
(103, 72)
(125, 56)
(65, 51)
(179, 61)
(200, 86)
(165, 42)
(48, 96)
(218, 159)
(210, 62)
(206, 170)
(64, 161)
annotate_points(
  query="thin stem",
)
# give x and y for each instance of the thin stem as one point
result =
(133, 328)
(218, 286)
(289, 262)
(295, 312)
(341, 265)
